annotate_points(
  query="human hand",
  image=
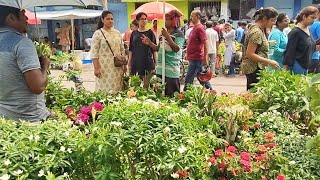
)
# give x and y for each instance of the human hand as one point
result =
(97, 72)
(317, 47)
(125, 68)
(274, 64)
(165, 33)
(145, 40)
(44, 62)
(153, 71)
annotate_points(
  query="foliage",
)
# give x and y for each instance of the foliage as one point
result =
(43, 49)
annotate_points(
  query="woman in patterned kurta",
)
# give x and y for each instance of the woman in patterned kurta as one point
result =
(108, 77)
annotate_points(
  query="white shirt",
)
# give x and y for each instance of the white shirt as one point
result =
(286, 30)
(212, 39)
(188, 33)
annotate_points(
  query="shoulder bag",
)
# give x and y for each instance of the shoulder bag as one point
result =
(119, 61)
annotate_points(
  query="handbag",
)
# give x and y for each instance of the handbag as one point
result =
(119, 61)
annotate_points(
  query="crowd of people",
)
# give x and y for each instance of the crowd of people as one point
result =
(211, 46)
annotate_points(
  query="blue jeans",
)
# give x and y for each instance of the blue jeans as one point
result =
(194, 68)
(297, 69)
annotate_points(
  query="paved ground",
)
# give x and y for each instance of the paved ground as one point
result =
(220, 83)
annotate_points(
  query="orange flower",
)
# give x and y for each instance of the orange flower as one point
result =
(233, 172)
(262, 149)
(269, 136)
(131, 93)
(180, 96)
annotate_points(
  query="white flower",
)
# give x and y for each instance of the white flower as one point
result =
(210, 131)
(166, 130)
(62, 149)
(7, 162)
(173, 115)
(209, 164)
(200, 134)
(175, 175)
(41, 173)
(95, 128)
(86, 131)
(182, 149)
(292, 162)
(114, 123)
(36, 138)
(185, 111)
(67, 133)
(69, 123)
(18, 172)
(65, 174)
(132, 100)
(30, 137)
(69, 150)
(5, 177)
(189, 141)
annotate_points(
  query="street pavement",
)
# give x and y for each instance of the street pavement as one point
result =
(220, 84)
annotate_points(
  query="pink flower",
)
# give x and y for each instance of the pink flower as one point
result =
(83, 117)
(245, 163)
(264, 178)
(222, 165)
(86, 110)
(260, 157)
(232, 149)
(281, 177)
(270, 145)
(218, 152)
(183, 174)
(257, 125)
(262, 148)
(97, 106)
(245, 156)
(69, 110)
(212, 160)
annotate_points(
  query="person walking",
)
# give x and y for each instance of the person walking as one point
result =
(142, 58)
(301, 44)
(174, 41)
(280, 38)
(315, 31)
(107, 43)
(23, 75)
(229, 35)
(197, 51)
(212, 44)
(256, 45)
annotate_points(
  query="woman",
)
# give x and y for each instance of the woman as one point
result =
(229, 35)
(141, 56)
(173, 45)
(108, 77)
(256, 45)
(301, 45)
(280, 38)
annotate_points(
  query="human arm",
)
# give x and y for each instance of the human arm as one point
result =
(95, 48)
(276, 36)
(290, 53)
(250, 53)
(229, 34)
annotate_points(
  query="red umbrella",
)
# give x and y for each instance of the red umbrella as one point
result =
(154, 10)
(31, 18)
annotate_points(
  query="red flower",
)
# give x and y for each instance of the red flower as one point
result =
(232, 149)
(69, 110)
(262, 148)
(233, 172)
(86, 110)
(222, 165)
(269, 136)
(83, 117)
(270, 145)
(218, 152)
(212, 160)
(98, 106)
(183, 174)
(256, 125)
(281, 177)
(264, 178)
(245, 156)
(260, 157)
(181, 96)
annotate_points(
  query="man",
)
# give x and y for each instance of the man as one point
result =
(212, 43)
(197, 51)
(240, 31)
(23, 78)
(185, 26)
(315, 31)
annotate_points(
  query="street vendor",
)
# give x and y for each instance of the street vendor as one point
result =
(23, 77)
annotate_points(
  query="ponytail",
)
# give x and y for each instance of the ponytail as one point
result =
(267, 13)
(307, 11)
(103, 15)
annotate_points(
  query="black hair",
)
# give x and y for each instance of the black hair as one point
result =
(280, 18)
(209, 24)
(307, 11)
(222, 21)
(215, 23)
(244, 23)
(185, 21)
(203, 20)
(5, 11)
(103, 15)
(267, 13)
(135, 22)
(230, 21)
(239, 23)
(139, 15)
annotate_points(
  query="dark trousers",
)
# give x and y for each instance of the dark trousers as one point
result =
(252, 78)
(314, 66)
(172, 85)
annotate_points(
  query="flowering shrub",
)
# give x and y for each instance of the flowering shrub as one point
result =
(86, 115)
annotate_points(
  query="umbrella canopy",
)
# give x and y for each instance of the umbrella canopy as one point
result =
(23, 4)
(154, 10)
(31, 18)
(69, 14)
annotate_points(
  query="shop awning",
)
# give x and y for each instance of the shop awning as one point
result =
(69, 14)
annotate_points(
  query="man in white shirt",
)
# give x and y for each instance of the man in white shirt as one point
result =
(212, 44)
(186, 36)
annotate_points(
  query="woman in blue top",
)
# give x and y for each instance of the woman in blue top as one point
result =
(280, 38)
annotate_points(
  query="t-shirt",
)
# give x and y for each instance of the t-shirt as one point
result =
(142, 55)
(239, 33)
(315, 31)
(17, 56)
(300, 48)
(172, 59)
(196, 41)
(257, 36)
(212, 39)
